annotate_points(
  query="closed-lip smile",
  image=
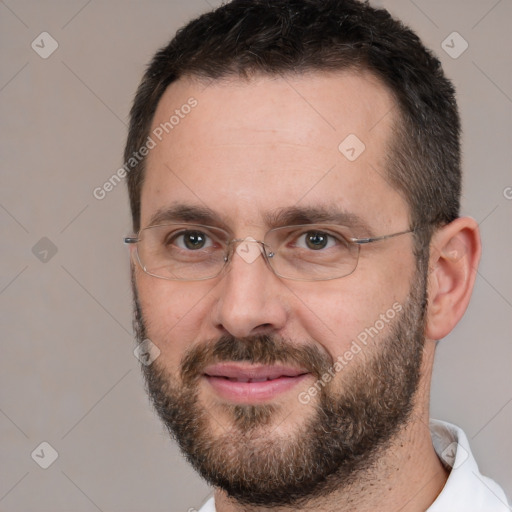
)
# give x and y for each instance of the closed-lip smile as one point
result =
(250, 383)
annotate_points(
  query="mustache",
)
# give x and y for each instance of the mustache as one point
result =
(260, 349)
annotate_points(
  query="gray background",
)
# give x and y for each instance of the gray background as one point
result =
(68, 375)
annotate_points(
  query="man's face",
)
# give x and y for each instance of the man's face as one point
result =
(250, 153)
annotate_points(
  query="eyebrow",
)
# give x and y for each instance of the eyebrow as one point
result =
(284, 216)
(332, 214)
(179, 212)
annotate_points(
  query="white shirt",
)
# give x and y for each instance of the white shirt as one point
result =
(466, 490)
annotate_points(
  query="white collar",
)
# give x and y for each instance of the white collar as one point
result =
(466, 490)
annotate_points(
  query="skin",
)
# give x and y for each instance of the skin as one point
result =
(250, 148)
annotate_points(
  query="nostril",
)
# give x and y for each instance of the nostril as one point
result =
(263, 329)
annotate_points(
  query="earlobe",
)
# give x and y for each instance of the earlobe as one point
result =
(454, 256)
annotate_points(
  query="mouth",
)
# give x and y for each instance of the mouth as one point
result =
(245, 383)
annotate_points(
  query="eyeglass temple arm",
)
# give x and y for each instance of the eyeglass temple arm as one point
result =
(378, 238)
(130, 240)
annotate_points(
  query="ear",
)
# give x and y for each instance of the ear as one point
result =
(454, 256)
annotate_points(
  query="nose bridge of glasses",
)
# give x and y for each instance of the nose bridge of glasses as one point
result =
(248, 248)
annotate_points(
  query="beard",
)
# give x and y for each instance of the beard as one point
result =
(340, 436)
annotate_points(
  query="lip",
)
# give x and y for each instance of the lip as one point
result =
(247, 383)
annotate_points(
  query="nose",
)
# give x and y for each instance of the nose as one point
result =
(250, 299)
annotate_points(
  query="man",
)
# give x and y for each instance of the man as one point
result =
(298, 251)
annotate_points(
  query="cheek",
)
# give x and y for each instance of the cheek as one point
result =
(357, 309)
(173, 313)
(332, 315)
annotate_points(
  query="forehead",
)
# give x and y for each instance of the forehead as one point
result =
(246, 148)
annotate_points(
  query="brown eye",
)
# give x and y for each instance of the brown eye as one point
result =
(191, 240)
(316, 240)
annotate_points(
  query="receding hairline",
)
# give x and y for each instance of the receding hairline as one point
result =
(231, 78)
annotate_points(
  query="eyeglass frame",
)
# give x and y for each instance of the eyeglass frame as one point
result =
(133, 240)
